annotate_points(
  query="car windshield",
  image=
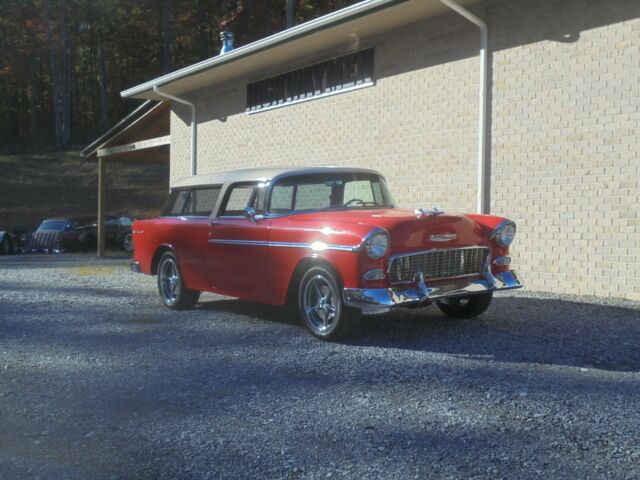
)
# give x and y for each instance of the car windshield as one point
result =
(52, 225)
(330, 191)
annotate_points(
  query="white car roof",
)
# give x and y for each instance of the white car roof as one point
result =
(262, 175)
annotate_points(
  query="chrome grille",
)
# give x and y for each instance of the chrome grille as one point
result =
(438, 264)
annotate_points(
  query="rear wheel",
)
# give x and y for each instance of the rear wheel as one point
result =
(321, 307)
(171, 286)
(465, 307)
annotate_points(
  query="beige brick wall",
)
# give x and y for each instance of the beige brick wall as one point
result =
(565, 125)
(566, 142)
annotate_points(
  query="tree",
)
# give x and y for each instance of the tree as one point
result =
(63, 63)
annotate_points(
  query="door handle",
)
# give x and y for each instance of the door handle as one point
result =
(213, 223)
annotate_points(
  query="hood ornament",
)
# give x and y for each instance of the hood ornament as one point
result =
(421, 212)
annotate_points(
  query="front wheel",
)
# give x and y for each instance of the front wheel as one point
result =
(171, 286)
(321, 307)
(465, 307)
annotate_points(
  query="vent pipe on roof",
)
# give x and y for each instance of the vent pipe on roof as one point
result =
(226, 38)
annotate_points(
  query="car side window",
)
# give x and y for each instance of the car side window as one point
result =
(282, 197)
(179, 200)
(198, 202)
(358, 189)
(237, 200)
(242, 196)
(201, 201)
(83, 225)
(311, 196)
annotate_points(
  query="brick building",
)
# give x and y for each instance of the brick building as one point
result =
(394, 85)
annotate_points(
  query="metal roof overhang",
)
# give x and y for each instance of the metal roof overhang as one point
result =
(145, 127)
(341, 29)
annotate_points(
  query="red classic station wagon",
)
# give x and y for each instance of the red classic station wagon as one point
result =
(327, 238)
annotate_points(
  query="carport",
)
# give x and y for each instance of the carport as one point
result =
(143, 135)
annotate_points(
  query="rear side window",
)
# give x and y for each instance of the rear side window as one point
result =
(201, 201)
(176, 207)
(84, 225)
(198, 202)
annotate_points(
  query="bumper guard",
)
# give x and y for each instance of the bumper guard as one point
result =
(381, 300)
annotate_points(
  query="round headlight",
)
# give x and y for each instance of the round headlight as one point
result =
(504, 233)
(377, 245)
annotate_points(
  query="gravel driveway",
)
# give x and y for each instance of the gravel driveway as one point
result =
(98, 380)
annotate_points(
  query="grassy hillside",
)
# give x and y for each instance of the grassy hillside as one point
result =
(35, 186)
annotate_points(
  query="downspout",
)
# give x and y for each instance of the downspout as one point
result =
(482, 203)
(194, 125)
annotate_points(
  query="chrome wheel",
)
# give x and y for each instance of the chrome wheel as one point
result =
(320, 305)
(169, 281)
(171, 286)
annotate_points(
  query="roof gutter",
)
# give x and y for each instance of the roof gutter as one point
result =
(482, 197)
(194, 125)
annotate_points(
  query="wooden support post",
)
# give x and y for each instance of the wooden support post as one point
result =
(101, 206)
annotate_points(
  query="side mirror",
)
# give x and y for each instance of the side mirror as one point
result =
(250, 214)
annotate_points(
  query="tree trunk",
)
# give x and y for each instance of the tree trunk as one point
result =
(67, 75)
(167, 37)
(55, 80)
(102, 82)
(290, 13)
(33, 99)
(205, 49)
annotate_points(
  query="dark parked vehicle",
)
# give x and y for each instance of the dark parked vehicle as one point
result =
(119, 232)
(60, 234)
(80, 233)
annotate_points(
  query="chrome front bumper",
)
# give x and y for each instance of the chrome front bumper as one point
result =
(381, 300)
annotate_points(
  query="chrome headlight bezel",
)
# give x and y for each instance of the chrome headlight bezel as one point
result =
(376, 244)
(504, 233)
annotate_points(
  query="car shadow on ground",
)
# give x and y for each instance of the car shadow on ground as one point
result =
(514, 329)
(286, 315)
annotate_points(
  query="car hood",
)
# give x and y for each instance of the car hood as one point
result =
(408, 232)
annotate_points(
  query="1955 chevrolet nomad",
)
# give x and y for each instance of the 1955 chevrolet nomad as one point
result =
(327, 238)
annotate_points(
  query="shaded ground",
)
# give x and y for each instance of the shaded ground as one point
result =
(37, 186)
(98, 380)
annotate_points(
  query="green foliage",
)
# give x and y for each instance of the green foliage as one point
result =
(63, 63)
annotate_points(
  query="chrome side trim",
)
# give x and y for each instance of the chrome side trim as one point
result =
(316, 246)
(380, 300)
